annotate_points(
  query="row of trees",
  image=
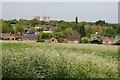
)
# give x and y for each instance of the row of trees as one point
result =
(63, 28)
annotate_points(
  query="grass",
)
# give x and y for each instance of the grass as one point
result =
(42, 60)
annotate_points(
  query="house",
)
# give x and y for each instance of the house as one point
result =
(46, 18)
(37, 27)
(47, 31)
(52, 40)
(9, 37)
(107, 41)
(26, 29)
(48, 28)
(30, 37)
(73, 39)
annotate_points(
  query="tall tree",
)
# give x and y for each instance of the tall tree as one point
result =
(11, 30)
(82, 31)
(76, 19)
(4, 27)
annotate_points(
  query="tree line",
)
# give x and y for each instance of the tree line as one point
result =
(62, 28)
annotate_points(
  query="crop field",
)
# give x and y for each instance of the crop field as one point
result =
(50, 60)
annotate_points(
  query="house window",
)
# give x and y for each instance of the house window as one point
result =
(7, 39)
(12, 38)
(52, 39)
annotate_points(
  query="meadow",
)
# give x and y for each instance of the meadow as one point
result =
(61, 60)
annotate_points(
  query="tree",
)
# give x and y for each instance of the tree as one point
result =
(76, 19)
(85, 40)
(46, 36)
(76, 27)
(60, 36)
(89, 31)
(82, 31)
(5, 27)
(100, 23)
(11, 30)
(79, 29)
(96, 38)
(20, 29)
(110, 32)
(32, 30)
(0, 25)
(14, 21)
(34, 22)
(69, 31)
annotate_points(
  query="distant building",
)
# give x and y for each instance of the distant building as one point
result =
(36, 17)
(9, 37)
(73, 39)
(47, 31)
(107, 41)
(52, 40)
(46, 18)
(30, 37)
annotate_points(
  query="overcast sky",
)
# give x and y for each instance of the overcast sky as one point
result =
(85, 11)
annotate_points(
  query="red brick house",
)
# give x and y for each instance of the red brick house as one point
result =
(73, 39)
(108, 41)
(52, 40)
(9, 37)
(30, 37)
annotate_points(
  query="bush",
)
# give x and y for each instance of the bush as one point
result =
(40, 40)
(85, 40)
(117, 40)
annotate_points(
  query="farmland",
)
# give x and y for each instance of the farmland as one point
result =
(47, 60)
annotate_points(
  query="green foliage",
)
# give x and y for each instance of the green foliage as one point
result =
(14, 21)
(76, 27)
(34, 22)
(42, 22)
(118, 29)
(100, 23)
(89, 31)
(41, 60)
(110, 32)
(117, 40)
(76, 19)
(5, 27)
(32, 29)
(69, 31)
(20, 29)
(0, 25)
(40, 39)
(85, 40)
(11, 30)
(82, 31)
(96, 38)
(46, 36)
(62, 25)
(105, 29)
(60, 36)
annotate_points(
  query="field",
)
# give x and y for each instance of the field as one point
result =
(47, 60)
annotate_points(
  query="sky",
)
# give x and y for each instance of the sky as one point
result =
(85, 11)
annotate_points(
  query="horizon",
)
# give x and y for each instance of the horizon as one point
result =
(60, 20)
(88, 12)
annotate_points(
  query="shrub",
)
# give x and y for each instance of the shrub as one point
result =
(85, 40)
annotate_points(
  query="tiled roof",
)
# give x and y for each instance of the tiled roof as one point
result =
(74, 38)
(32, 37)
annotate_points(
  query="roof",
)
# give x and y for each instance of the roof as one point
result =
(8, 35)
(74, 38)
(30, 37)
(108, 38)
